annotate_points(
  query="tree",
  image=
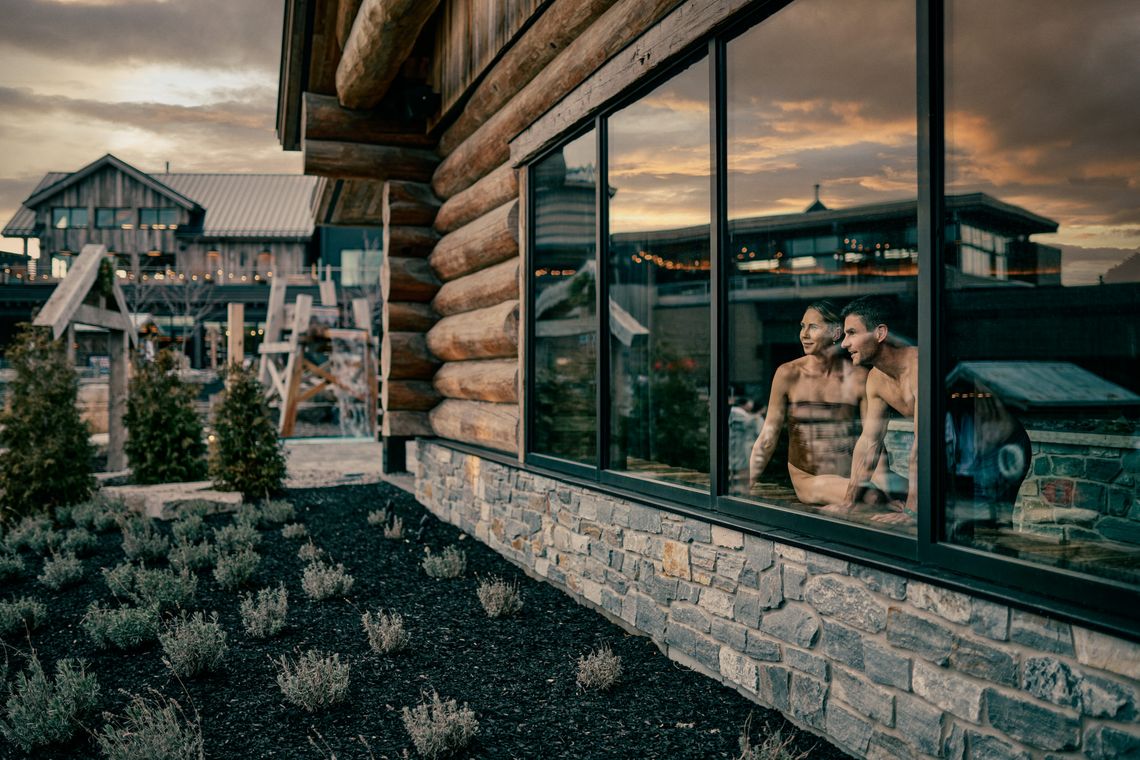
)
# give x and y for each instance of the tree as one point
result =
(247, 455)
(48, 458)
(165, 443)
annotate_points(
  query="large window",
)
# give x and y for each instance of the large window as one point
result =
(69, 217)
(158, 218)
(114, 218)
(795, 282)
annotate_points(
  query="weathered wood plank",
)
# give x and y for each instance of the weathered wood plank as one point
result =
(405, 356)
(558, 25)
(477, 422)
(409, 395)
(406, 425)
(491, 238)
(403, 279)
(408, 204)
(400, 316)
(488, 146)
(117, 390)
(487, 287)
(497, 188)
(408, 242)
(382, 36)
(360, 161)
(490, 333)
(323, 118)
(481, 380)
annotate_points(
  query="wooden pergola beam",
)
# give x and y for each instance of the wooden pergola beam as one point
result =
(328, 158)
(382, 36)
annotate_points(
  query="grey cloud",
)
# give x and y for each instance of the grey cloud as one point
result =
(202, 33)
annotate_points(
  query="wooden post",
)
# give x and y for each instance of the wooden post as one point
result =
(235, 323)
(117, 343)
(382, 35)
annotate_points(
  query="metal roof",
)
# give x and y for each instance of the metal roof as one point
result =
(236, 205)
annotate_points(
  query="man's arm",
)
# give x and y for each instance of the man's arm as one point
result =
(773, 423)
(868, 448)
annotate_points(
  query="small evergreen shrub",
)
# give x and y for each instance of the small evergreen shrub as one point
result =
(152, 729)
(450, 564)
(294, 530)
(79, 541)
(49, 452)
(32, 533)
(120, 627)
(235, 537)
(191, 557)
(23, 613)
(192, 644)
(247, 455)
(263, 616)
(100, 514)
(498, 597)
(141, 539)
(320, 581)
(599, 670)
(163, 588)
(310, 552)
(189, 529)
(386, 632)
(395, 530)
(11, 565)
(165, 444)
(314, 681)
(232, 571)
(277, 512)
(439, 728)
(378, 517)
(60, 571)
(42, 711)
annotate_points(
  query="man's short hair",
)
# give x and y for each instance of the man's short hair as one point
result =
(874, 310)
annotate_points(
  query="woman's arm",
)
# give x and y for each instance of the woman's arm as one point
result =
(773, 423)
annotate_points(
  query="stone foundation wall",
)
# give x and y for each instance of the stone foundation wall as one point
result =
(882, 666)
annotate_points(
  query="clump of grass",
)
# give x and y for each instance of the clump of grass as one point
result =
(378, 517)
(233, 538)
(232, 571)
(775, 746)
(310, 552)
(294, 530)
(190, 557)
(152, 729)
(498, 597)
(11, 565)
(41, 710)
(314, 681)
(193, 644)
(394, 530)
(141, 540)
(23, 613)
(599, 670)
(79, 541)
(61, 570)
(439, 728)
(386, 633)
(451, 563)
(120, 627)
(264, 615)
(320, 580)
(35, 534)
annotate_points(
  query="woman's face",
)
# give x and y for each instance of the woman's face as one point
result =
(816, 335)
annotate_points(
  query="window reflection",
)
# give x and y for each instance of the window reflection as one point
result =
(659, 160)
(565, 342)
(1042, 226)
(822, 211)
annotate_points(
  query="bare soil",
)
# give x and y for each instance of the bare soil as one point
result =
(518, 674)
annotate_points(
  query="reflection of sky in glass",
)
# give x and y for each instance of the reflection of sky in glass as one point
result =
(823, 92)
(659, 156)
(1046, 118)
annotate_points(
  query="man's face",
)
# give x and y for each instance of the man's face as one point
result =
(816, 335)
(860, 341)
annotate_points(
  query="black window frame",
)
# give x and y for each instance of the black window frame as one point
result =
(1098, 603)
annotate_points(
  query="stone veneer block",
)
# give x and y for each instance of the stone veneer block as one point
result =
(1110, 743)
(989, 747)
(866, 698)
(1031, 722)
(727, 537)
(675, 560)
(1099, 650)
(946, 689)
(847, 601)
(926, 638)
(807, 699)
(1040, 632)
(944, 603)
(739, 669)
(843, 644)
(984, 661)
(890, 584)
(989, 619)
(919, 722)
(885, 666)
(795, 577)
(794, 625)
(847, 729)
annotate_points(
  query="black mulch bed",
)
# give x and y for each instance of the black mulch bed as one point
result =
(517, 674)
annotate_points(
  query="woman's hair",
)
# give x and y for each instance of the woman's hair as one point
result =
(828, 310)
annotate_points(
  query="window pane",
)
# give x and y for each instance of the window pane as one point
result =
(658, 186)
(112, 218)
(822, 210)
(565, 303)
(1043, 329)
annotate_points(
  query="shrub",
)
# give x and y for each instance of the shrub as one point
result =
(190, 557)
(232, 571)
(310, 552)
(775, 746)
(141, 540)
(79, 541)
(41, 711)
(599, 670)
(450, 564)
(32, 533)
(120, 579)
(264, 616)
(11, 565)
(320, 581)
(165, 444)
(439, 728)
(120, 627)
(49, 452)
(294, 530)
(499, 598)
(276, 512)
(163, 588)
(247, 455)
(395, 530)
(100, 514)
(235, 537)
(385, 632)
(193, 644)
(189, 529)
(314, 681)
(20, 614)
(61, 570)
(152, 729)
(378, 517)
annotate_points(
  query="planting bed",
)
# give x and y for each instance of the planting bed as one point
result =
(517, 673)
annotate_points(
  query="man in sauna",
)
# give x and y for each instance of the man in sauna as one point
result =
(821, 397)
